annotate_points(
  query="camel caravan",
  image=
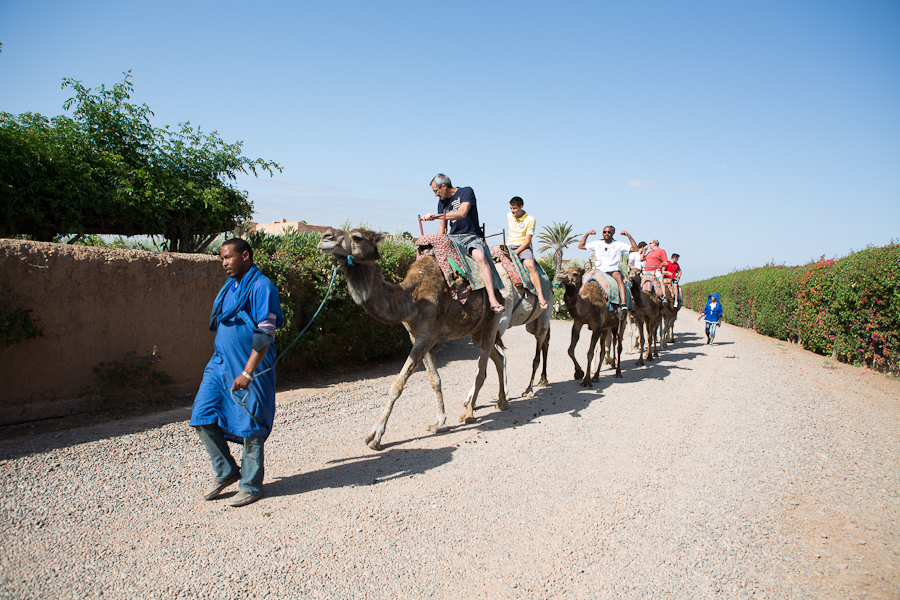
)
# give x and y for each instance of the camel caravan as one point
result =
(459, 287)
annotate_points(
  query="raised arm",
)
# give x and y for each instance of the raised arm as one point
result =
(630, 239)
(581, 245)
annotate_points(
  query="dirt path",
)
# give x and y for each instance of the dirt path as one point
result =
(745, 469)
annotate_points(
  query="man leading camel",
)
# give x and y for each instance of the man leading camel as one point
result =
(521, 230)
(607, 256)
(458, 205)
(244, 317)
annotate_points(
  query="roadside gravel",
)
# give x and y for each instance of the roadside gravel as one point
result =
(749, 468)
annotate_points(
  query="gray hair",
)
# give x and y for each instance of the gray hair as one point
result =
(654, 242)
(441, 179)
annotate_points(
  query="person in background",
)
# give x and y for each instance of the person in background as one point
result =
(672, 273)
(458, 205)
(712, 315)
(635, 262)
(245, 315)
(655, 260)
(521, 230)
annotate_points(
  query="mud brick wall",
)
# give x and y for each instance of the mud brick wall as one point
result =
(95, 305)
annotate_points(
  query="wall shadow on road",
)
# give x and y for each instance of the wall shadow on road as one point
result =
(368, 469)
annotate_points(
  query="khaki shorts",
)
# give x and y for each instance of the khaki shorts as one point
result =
(525, 254)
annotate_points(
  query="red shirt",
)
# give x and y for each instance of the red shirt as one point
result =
(654, 259)
(672, 270)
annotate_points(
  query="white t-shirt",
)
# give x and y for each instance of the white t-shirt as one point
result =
(634, 261)
(607, 256)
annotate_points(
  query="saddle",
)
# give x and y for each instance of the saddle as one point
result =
(460, 270)
(517, 272)
(608, 287)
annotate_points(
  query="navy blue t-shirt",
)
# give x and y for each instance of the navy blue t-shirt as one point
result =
(469, 223)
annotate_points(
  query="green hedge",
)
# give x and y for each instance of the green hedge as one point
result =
(849, 308)
(343, 333)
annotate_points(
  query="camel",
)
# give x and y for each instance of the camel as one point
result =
(589, 308)
(667, 323)
(647, 313)
(423, 302)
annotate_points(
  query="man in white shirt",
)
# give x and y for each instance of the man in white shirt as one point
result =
(608, 254)
(635, 261)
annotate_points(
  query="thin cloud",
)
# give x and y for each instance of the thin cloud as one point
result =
(641, 185)
(635, 183)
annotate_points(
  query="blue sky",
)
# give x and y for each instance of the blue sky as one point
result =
(736, 133)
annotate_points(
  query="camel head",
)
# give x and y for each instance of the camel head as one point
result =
(360, 245)
(569, 277)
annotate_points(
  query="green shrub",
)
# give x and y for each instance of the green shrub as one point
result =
(16, 321)
(849, 308)
(343, 332)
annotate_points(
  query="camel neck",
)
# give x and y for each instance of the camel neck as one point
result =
(384, 301)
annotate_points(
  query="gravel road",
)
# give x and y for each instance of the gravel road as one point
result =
(749, 468)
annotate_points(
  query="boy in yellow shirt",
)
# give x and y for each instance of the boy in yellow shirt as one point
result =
(521, 230)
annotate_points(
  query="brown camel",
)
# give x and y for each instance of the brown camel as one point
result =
(648, 314)
(667, 325)
(589, 308)
(424, 304)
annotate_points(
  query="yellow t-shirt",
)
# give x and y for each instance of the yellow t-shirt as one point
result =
(519, 228)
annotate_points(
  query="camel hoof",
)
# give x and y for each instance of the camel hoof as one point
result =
(434, 428)
(466, 419)
(618, 376)
(586, 383)
(596, 377)
(543, 383)
(371, 443)
(528, 394)
(579, 374)
(503, 405)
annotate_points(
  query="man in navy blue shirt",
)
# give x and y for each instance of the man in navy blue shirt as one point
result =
(458, 206)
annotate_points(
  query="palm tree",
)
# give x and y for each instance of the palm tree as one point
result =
(557, 237)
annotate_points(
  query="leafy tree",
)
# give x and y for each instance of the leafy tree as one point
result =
(557, 237)
(107, 170)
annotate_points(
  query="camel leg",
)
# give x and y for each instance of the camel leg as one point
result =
(576, 333)
(649, 326)
(486, 343)
(656, 342)
(498, 356)
(608, 343)
(595, 336)
(441, 422)
(529, 391)
(639, 321)
(412, 361)
(545, 349)
(620, 338)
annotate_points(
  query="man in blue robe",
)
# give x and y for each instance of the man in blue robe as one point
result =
(245, 315)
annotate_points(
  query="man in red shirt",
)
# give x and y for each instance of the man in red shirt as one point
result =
(655, 260)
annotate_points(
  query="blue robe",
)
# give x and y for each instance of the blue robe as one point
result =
(235, 327)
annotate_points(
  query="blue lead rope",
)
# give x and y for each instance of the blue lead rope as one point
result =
(242, 401)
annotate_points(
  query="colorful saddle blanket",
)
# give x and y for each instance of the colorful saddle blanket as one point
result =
(456, 264)
(650, 282)
(609, 287)
(517, 272)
